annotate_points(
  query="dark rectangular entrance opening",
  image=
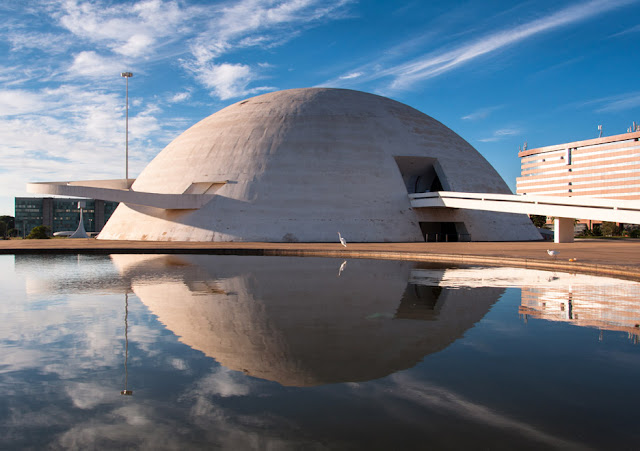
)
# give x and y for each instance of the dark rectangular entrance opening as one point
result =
(420, 174)
(444, 231)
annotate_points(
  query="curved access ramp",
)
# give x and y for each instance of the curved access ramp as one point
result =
(564, 209)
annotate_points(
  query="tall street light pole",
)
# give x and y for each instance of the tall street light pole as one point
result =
(127, 75)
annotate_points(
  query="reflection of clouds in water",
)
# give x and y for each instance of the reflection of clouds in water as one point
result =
(87, 395)
(178, 364)
(56, 330)
(16, 359)
(60, 274)
(61, 359)
(158, 426)
(221, 382)
(628, 359)
(135, 414)
(97, 343)
(21, 419)
(12, 284)
(120, 427)
(194, 420)
(502, 326)
(408, 393)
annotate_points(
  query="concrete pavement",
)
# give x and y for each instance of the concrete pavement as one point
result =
(619, 258)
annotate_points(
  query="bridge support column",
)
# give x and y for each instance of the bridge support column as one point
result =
(563, 230)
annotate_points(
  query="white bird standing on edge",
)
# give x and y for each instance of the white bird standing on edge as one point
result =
(342, 240)
(553, 254)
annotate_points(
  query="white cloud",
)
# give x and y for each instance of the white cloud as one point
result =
(136, 45)
(250, 23)
(228, 80)
(140, 29)
(432, 64)
(17, 102)
(610, 104)
(500, 134)
(351, 76)
(48, 42)
(634, 29)
(619, 103)
(242, 19)
(107, 36)
(143, 125)
(90, 64)
(507, 132)
(482, 113)
(180, 97)
(69, 133)
(128, 29)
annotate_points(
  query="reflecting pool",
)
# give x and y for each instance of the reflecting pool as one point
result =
(238, 352)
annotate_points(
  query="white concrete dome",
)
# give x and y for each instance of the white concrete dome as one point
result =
(303, 164)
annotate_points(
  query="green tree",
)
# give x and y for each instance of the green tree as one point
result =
(609, 229)
(9, 220)
(6, 223)
(40, 232)
(538, 220)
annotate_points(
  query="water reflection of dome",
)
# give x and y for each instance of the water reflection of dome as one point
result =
(295, 321)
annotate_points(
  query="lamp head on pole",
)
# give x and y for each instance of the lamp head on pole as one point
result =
(126, 74)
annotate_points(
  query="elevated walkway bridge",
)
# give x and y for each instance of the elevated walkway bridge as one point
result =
(563, 209)
(197, 194)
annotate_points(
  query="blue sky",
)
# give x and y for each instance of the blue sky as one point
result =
(499, 73)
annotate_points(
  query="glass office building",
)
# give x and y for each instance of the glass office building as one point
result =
(61, 214)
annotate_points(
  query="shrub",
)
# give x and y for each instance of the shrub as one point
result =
(538, 220)
(610, 229)
(40, 232)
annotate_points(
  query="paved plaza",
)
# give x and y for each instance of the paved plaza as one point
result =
(605, 257)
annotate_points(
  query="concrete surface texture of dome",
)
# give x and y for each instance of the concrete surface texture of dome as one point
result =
(304, 164)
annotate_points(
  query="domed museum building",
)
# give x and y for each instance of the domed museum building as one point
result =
(305, 164)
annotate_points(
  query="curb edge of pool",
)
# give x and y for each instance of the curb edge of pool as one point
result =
(49, 247)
